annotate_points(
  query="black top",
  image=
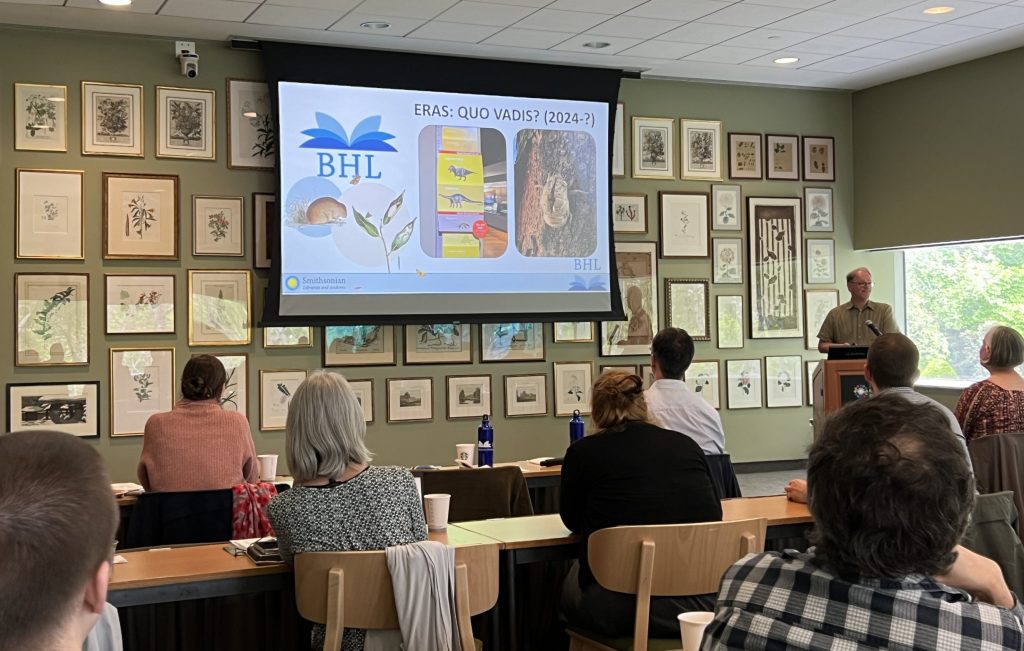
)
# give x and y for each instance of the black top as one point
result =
(640, 474)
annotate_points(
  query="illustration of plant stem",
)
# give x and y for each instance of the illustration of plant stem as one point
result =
(50, 306)
(400, 239)
(142, 383)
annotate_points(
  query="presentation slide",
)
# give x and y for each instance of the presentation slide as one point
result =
(397, 202)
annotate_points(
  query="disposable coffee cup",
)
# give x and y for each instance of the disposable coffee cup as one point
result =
(465, 452)
(268, 467)
(435, 506)
(691, 628)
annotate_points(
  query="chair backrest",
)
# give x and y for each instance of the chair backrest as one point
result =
(998, 461)
(723, 475)
(481, 493)
(353, 589)
(669, 560)
(176, 518)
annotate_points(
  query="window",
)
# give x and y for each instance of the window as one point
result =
(953, 294)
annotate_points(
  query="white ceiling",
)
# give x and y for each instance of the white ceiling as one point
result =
(848, 44)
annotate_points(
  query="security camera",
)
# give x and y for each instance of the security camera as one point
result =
(189, 64)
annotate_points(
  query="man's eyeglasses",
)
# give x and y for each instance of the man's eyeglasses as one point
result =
(864, 285)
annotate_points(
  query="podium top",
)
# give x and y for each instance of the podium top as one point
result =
(847, 352)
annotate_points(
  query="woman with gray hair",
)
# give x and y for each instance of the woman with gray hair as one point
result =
(995, 405)
(339, 502)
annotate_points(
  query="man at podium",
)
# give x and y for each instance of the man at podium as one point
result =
(858, 321)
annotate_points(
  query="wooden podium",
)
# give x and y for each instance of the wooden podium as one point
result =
(835, 383)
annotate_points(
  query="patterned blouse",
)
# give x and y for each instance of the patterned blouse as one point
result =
(380, 507)
(985, 408)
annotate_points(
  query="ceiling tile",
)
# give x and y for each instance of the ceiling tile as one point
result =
(806, 59)
(532, 38)
(633, 27)
(726, 54)
(425, 9)
(616, 44)
(865, 8)
(438, 30)
(398, 26)
(893, 50)
(663, 49)
(883, 28)
(996, 18)
(795, 4)
(819, 22)
(335, 6)
(769, 39)
(833, 44)
(703, 33)
(137, 6)
(482, 13)
(614, 7)
(52, 3)
(294, 17)
(208, 9)
(946, 34)
(536, 4)
(962, 8)
(744, 15)
(676, 10)
(845, 64)
(553, 20)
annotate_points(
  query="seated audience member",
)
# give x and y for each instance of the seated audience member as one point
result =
(891, 494)
(671, 403)
(995, 405)
(198, 445)
(57, 526)
(891, 368)
(630, 472)
(339, 502)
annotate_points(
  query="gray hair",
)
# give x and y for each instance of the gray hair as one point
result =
(1006, 348)
(325, 428)
(849, 276)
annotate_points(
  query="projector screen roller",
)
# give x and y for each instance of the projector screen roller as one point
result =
(399, 203)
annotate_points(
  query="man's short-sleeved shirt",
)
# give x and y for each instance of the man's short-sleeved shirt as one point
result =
(845, 324)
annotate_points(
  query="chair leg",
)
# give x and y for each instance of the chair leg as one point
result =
(463, 621)
(335, 608)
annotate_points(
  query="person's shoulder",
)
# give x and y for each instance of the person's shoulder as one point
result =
(768, 567)
(390, 474)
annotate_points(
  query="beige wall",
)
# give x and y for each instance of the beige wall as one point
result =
(69, 58)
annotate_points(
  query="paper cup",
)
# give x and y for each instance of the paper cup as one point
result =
(435, 507)
(465, 452)
(268, 467)
(691, 628)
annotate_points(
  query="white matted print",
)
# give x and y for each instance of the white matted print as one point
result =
(637, 265)
(112, 119)
(218, 226)
(686, 307)
(52, 319)
(730, 321)
(745, 156)
(821, 262)
(50, 208)
(653, 148)
(140, 216)
(684, 224)
(817, 304)
(512, 342)
(702, 378)
(364, 396)
(139, 304)
(629, 213)
(726, 208)
(469, 396)
(410, 399)
(743, 383)
(438, 343)
(359, 345)
(72, 408)
(574, 382)
(40, 117)
(251, 140)
(701, 149)
(219, 307)
(235, 396)
(784, 384)
(526, 395)
(776, 279)
(288, 337)
(727, 261)
(185, 123)
(142, 383)
(619, 141)
(819, 158)
(818, 216)
(571, 332)
(277, 388)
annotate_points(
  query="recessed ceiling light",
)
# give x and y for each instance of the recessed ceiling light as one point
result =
(785, 60)
(375, 24)
(250, 114)
(596, 45)
(116, 3)
(936, 11)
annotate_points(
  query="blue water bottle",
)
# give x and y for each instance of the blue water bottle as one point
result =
(575, 427)
(485, 443)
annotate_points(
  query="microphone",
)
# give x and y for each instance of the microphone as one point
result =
(873, 328)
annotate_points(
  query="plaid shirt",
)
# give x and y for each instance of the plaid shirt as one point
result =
(784, 601)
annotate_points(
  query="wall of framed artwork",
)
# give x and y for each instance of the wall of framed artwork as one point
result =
(50, 214)
(140, 216)
(686, 306)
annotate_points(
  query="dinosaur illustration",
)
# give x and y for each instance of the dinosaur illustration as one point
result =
(455, 200)
(460, 172)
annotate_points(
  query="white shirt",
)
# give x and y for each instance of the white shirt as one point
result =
(921, 399)
(677, 408)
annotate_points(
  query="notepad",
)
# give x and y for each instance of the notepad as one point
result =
(243, 543)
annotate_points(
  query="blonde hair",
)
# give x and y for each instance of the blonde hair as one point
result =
(617, 398)
(325, 428)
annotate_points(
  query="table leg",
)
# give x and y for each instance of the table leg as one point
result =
(509, 584)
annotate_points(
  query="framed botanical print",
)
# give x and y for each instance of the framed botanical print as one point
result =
(112, 119)
(745, 156)
(618, 142)
(277, 388)
(701, 149)
(139, 304)
(818, 210)
(526, 395)
(821, 262)
(727, 261)
(364, 395)
(72, 408)
(630, 369)
(512, 342)
(702, 378)
(653, 153)
(726, 206)
(782, 157)
(574, 382)
(819, 158)
(264, 207)
(817, 304)
(40, 117)
(142, 382)
(637, 265)
(218, 226)
(410, 399)
(743, 383)
(686, 307)
(469, 396)
(50, 206)
(629, 213)
(684, 224)
(219, 308)
(52, 319)
(360, 345)
(438, 343)
(647, 373)
(252, 143)
(235, 396)
(288, 337)
(186, 123)
(776, 281)
(140, 216)
(573, 332)
(730, 321)
(783, 381)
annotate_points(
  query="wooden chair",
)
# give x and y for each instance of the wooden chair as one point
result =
(353, 590)
(661, 561)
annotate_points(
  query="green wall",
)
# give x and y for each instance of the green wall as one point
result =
(69, 58)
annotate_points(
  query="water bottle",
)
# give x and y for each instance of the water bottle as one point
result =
(485, 443)
(575, 427)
